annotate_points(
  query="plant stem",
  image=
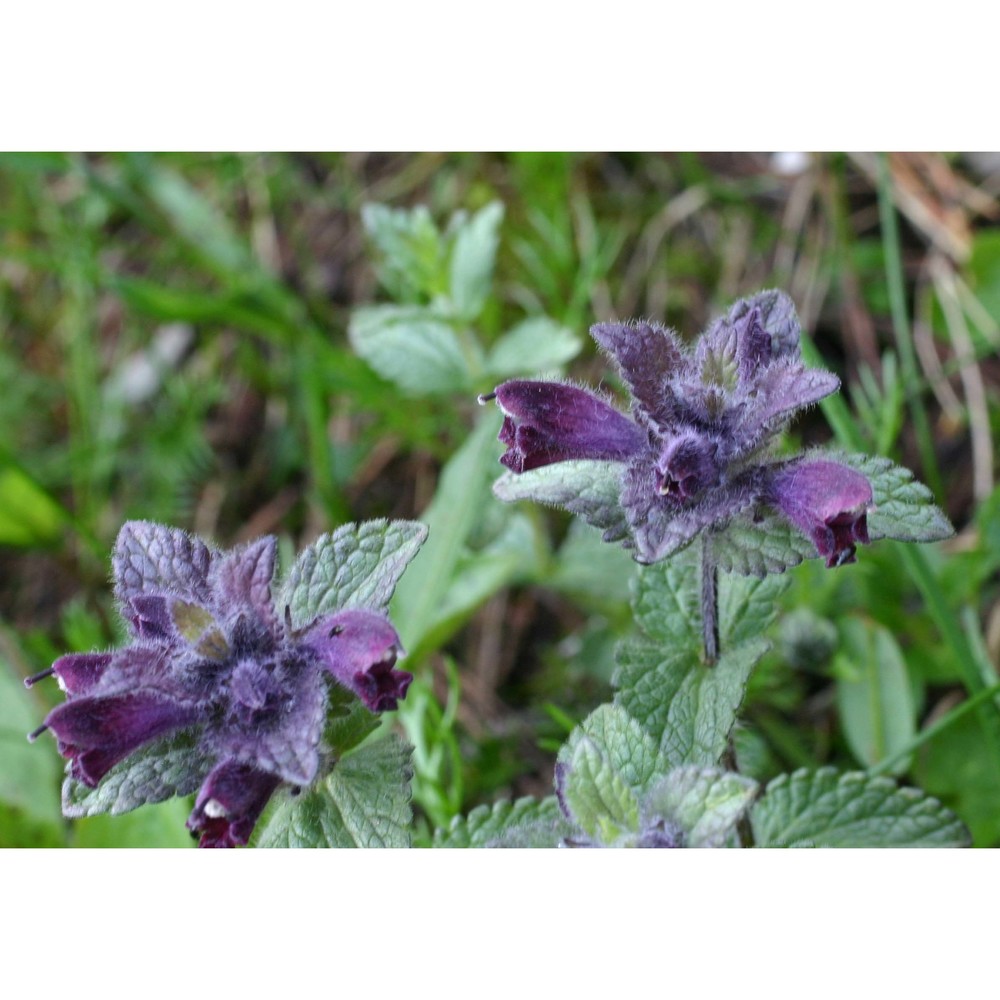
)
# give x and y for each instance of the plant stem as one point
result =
(709, 601)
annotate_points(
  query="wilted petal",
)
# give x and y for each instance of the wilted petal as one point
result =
(359, 648)
(647, 356)
(826, 501)
(97, 732)
(230, 803)
(546, 422)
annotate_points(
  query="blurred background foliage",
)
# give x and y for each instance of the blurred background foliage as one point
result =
(278, 343)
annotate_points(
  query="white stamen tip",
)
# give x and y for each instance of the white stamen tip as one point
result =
(214, 809)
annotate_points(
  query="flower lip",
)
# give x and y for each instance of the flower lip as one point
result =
(360, 649)
(229, 804)
(687, 466)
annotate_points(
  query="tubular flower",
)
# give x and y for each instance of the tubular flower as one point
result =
(828, 503)
(693, 452)
(210, 655)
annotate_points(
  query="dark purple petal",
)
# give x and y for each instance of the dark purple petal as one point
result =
(546, 422)
(687, 466)
(647, 356)
(359, 649)
(75, 672)
(150, 616)
(243, 577)
(97, 732)
(230, 803)
(826, 501)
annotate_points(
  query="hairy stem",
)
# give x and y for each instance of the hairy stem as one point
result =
(709, 601)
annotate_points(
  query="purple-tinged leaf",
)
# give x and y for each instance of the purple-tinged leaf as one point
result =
(647, 356)
(242, 578)
(152, 559)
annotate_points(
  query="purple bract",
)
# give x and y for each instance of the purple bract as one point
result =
(694, 452)
(212, 655)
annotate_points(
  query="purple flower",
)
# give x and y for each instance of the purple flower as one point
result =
(693, 454)
(826, 501)
(546, 422)
(211, 655)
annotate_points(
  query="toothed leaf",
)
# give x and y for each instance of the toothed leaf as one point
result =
(363, 802)
(688, 708)
(357, 566)
(826, 809)
(704, 802)
(486, 825)
(589, 489)
(904, 507)
(151, 774)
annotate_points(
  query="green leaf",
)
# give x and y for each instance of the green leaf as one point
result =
(28, 515)
(473, 256)
(162, 825)
(536, 345)
(229, 308)
(904, 507)
(667, 602)
(195, 219)
(152, 774)
(874, 697)
(348, 722)
(688, 708)
(602, 769)
(590, 569)
(29, 773)
(954, 768)
(486, 824)
(480, 574)
(704, 802)
(826, 809)
(357, 566)
(747, 606)
(452, 516)
(363, 802)
(599, 799)
(589, 489)
(412, 348)
(411, 248)
(757, 548)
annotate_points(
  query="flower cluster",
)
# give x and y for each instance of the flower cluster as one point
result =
(211, 654)
(694, 453)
